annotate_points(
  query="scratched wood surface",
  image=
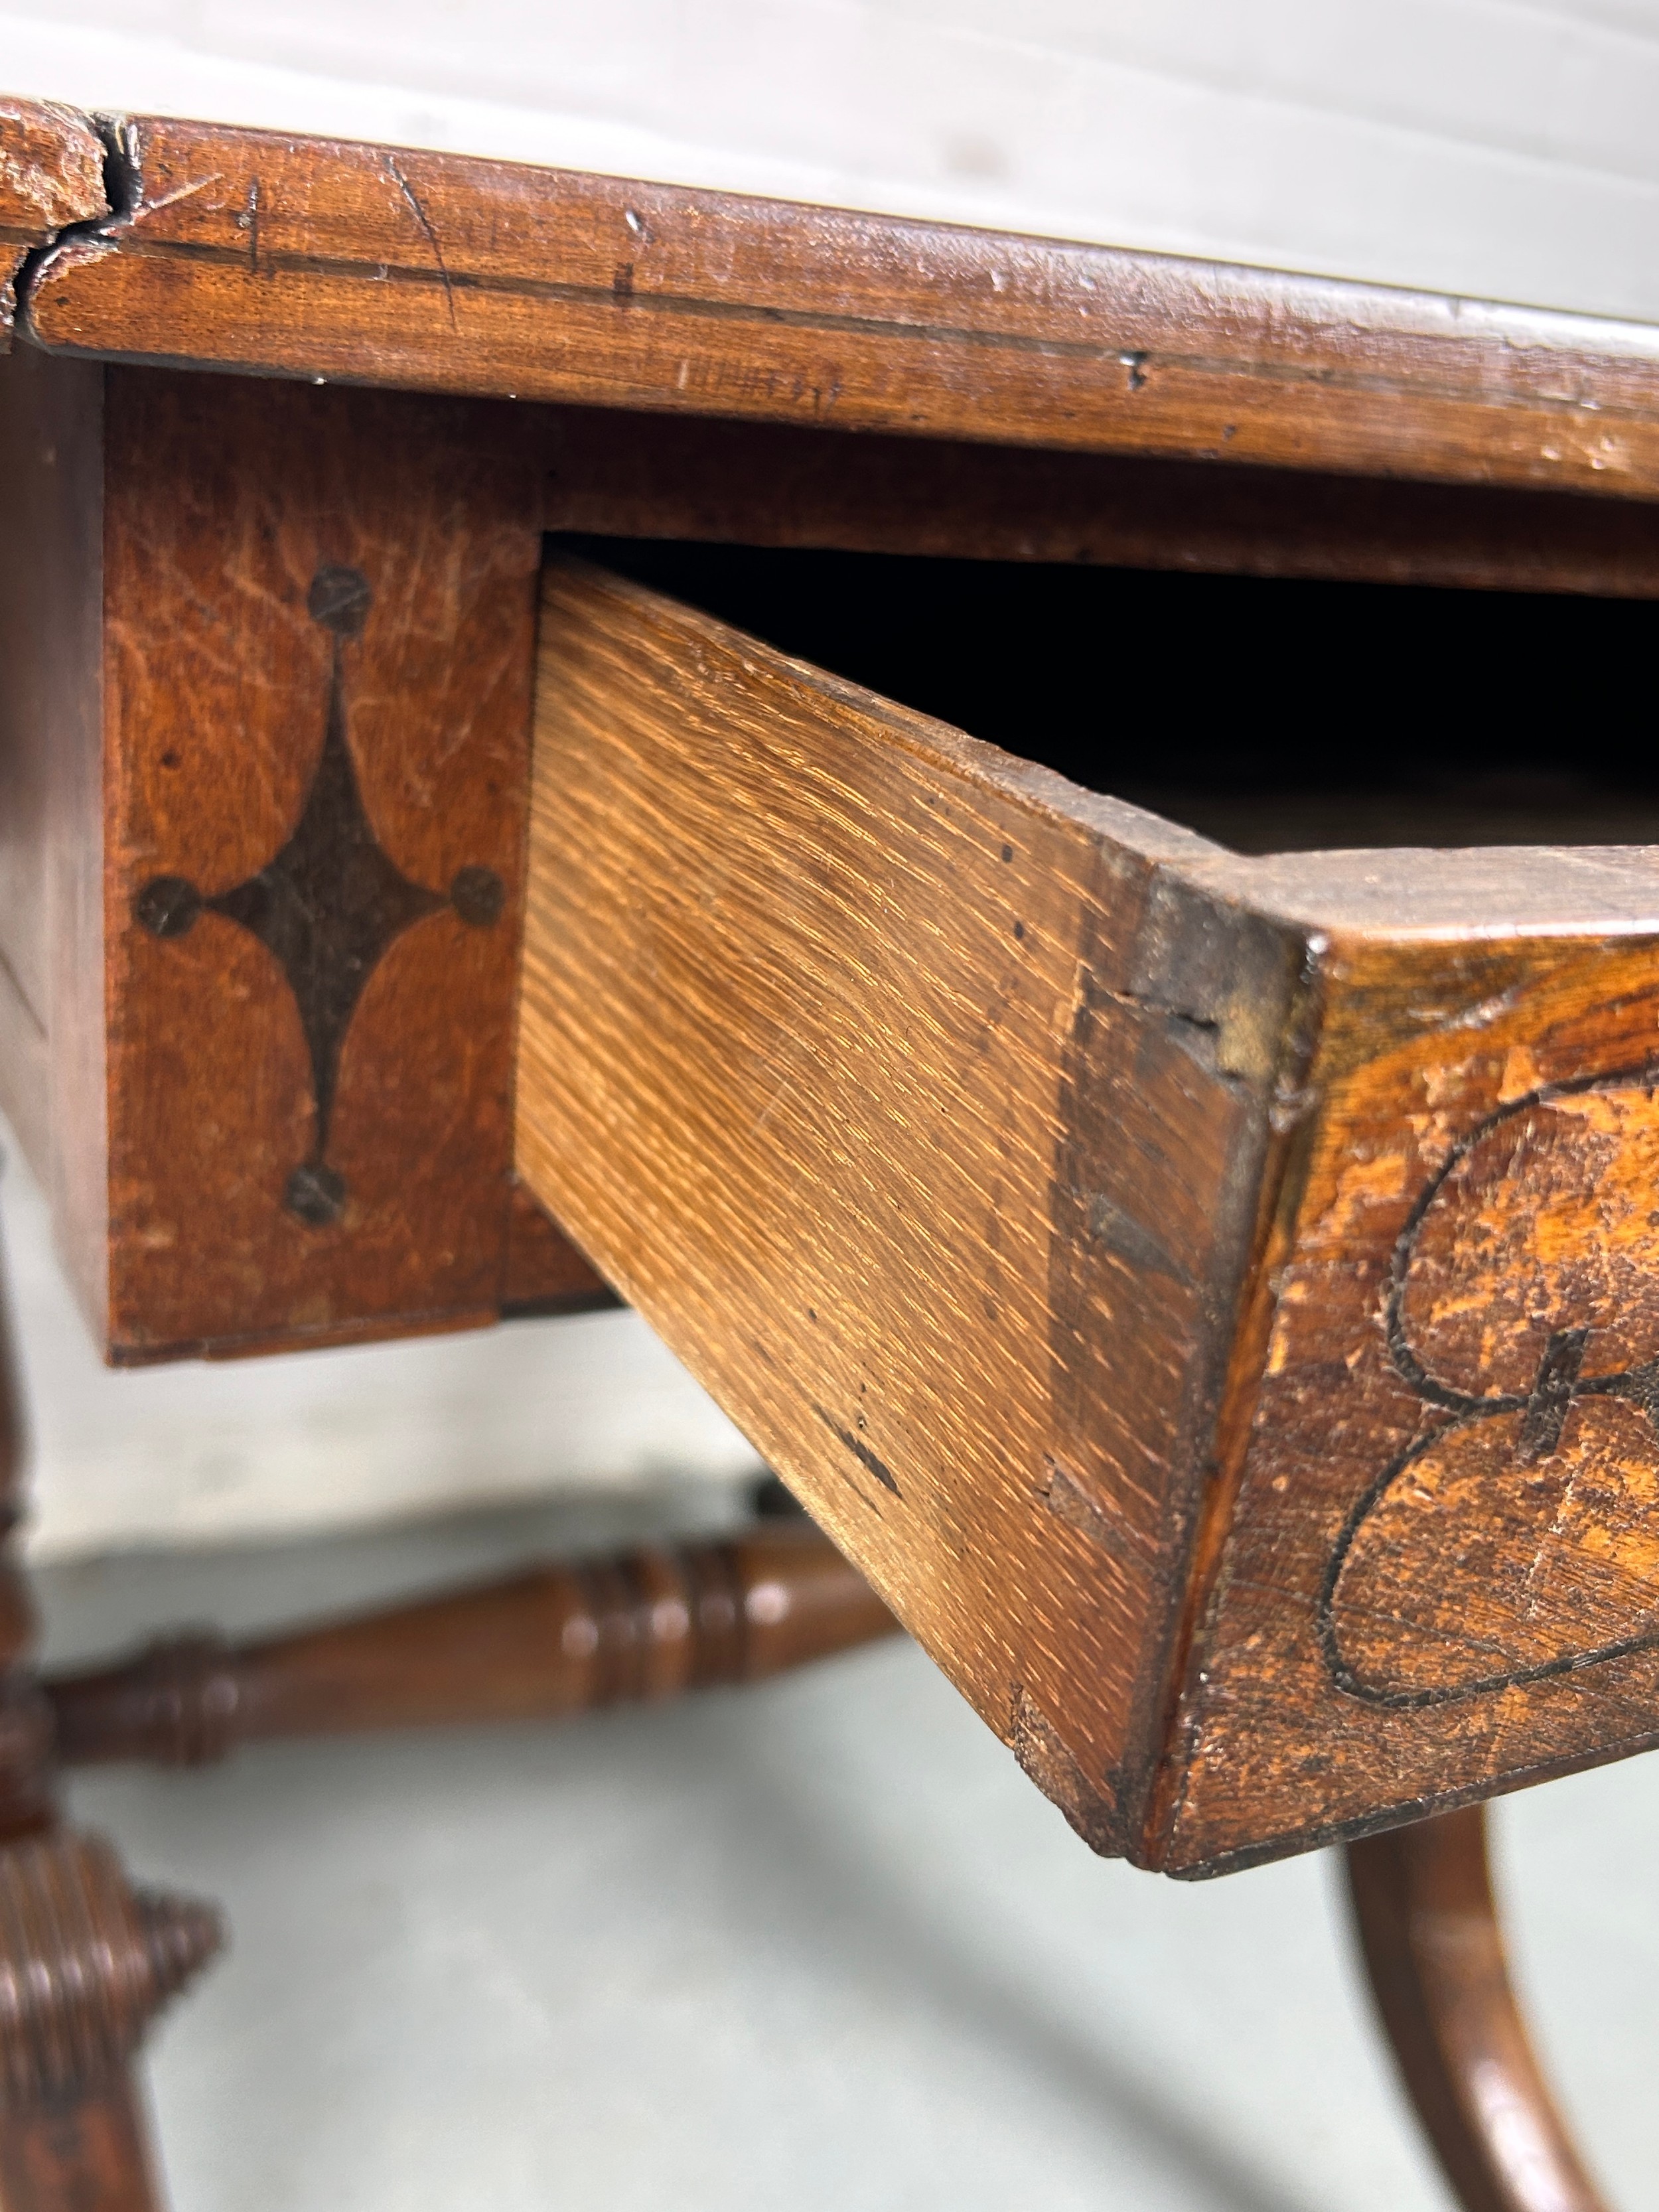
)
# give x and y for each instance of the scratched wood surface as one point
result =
(318, 624)
(1211, 1297)
(171, 708)
(1431, 1572)
(826, 1018)
(685, 473)
(1440, 1572)
(244, 249)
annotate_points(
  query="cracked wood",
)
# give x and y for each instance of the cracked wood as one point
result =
(243, 249)
(263, 760)
(51, 178)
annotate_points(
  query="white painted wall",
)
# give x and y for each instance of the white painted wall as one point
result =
(1483, 146)
(202, 1454)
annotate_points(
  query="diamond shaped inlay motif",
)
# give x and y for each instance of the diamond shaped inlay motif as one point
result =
(329, 903)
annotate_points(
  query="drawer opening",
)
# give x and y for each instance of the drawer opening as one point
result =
(1271, 716)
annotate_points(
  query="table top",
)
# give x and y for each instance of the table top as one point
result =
(200, 245)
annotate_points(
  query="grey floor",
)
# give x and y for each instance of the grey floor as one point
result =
(817, 1944)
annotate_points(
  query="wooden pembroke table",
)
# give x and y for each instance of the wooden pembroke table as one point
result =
(486, 827)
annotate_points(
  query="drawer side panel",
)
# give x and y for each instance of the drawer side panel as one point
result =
(918, 1114)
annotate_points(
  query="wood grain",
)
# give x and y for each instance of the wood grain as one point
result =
(1433, 1949)
(1209, 1297)
(304, 257)
(828, 1026)
(51, 175)
(542, 1271)
(167, 697)
(615, 474)
(227, 500)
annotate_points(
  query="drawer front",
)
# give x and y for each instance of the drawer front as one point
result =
(1108, 1237)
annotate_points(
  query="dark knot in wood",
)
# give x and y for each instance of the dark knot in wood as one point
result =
(85, 1964)
(330, 903)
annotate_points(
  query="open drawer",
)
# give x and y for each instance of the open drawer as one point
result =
(1211, 1297)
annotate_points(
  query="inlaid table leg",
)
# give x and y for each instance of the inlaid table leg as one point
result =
(1433, 1947)
(85, 1960)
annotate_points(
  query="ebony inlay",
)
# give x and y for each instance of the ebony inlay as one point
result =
(330, 902)
(1490, 1459)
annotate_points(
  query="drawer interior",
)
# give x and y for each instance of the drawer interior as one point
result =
(1272, 715)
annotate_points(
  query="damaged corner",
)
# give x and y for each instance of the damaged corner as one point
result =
(63, 177)
(1221, 976)
(54, 180)
(1036, 1744)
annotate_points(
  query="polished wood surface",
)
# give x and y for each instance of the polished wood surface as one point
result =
(250, 250)
(1194, 1288)
(85, 1964)
(90, 2154)
(1213, 1297)
(303, 1138)
(118, 1021)
(804, 1064)
(758, 476)
(542, 1271)
(1433, 1948)
(558, 1640)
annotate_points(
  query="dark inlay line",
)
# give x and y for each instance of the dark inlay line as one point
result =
(330, 903)
(1557, 1385)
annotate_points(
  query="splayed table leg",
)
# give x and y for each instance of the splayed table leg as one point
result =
(1433, 1947)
